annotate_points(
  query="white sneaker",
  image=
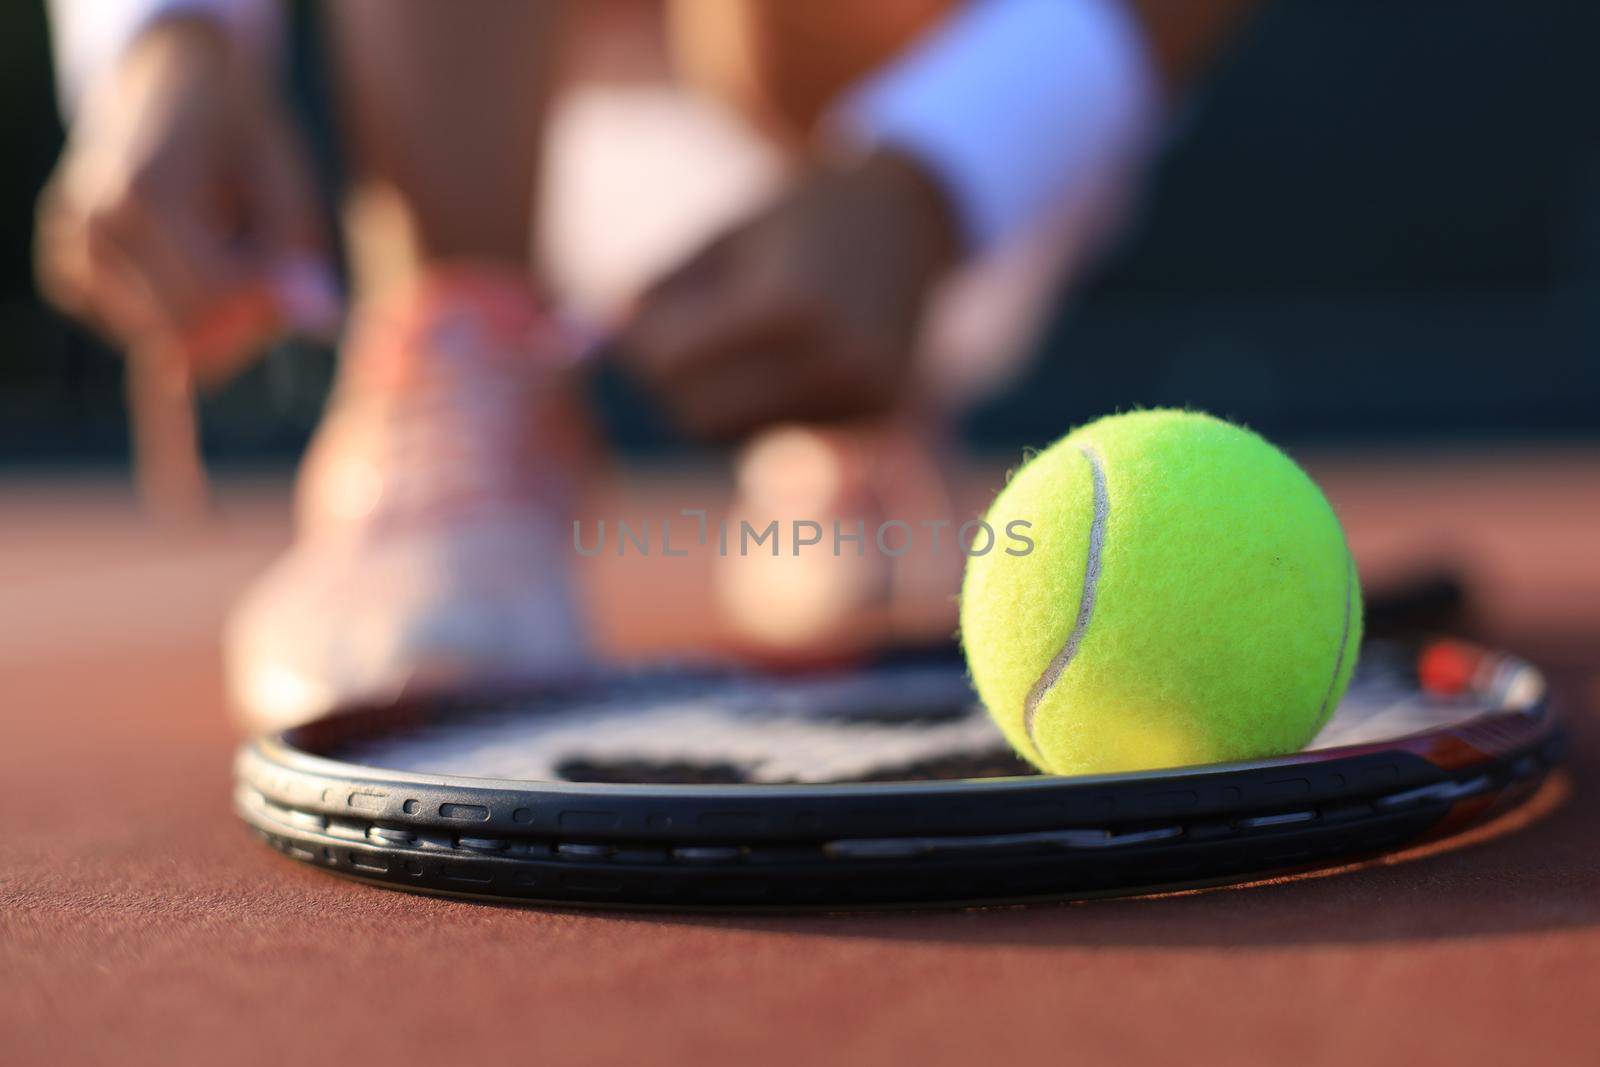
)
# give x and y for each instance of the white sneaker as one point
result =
(433, 511)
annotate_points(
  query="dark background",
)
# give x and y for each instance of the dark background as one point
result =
(1379, 220)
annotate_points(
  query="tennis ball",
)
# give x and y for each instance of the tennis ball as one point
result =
(1188, 598)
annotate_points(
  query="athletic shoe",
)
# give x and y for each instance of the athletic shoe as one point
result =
(433, 511)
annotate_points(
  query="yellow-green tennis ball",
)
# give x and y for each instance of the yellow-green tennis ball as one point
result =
(1188, 598)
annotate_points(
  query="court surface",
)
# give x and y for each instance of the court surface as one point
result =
(141, 923)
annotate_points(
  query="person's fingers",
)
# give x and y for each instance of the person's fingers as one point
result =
(695, 332)
(219, 304)
(101, 233)
(59, 255)
(288, 226)
(285, 217)
(692, 335)
(726, 405)
(753, 393)
(143, 273)
(118, 295)
(708, 266)
(173, 270)
(143, 276)
(184, 261)
(182, 214)
(681, 318)
(775, 369)
(729, 350)
(214, 289)
(689, 330)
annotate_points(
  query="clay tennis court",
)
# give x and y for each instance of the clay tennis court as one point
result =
(140, 922)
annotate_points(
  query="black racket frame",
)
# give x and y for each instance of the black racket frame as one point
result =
(850, 845)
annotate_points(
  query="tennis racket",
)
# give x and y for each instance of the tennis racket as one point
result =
(886, 785)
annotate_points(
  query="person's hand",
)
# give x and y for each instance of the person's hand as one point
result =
(808, 311)
(182, 208)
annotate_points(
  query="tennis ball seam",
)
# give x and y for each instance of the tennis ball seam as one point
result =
(1086, 601)
(1086, 597)
(1344, 639)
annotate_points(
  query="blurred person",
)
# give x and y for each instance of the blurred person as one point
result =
(924, 134)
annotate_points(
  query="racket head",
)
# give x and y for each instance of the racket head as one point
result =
(881, 786)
